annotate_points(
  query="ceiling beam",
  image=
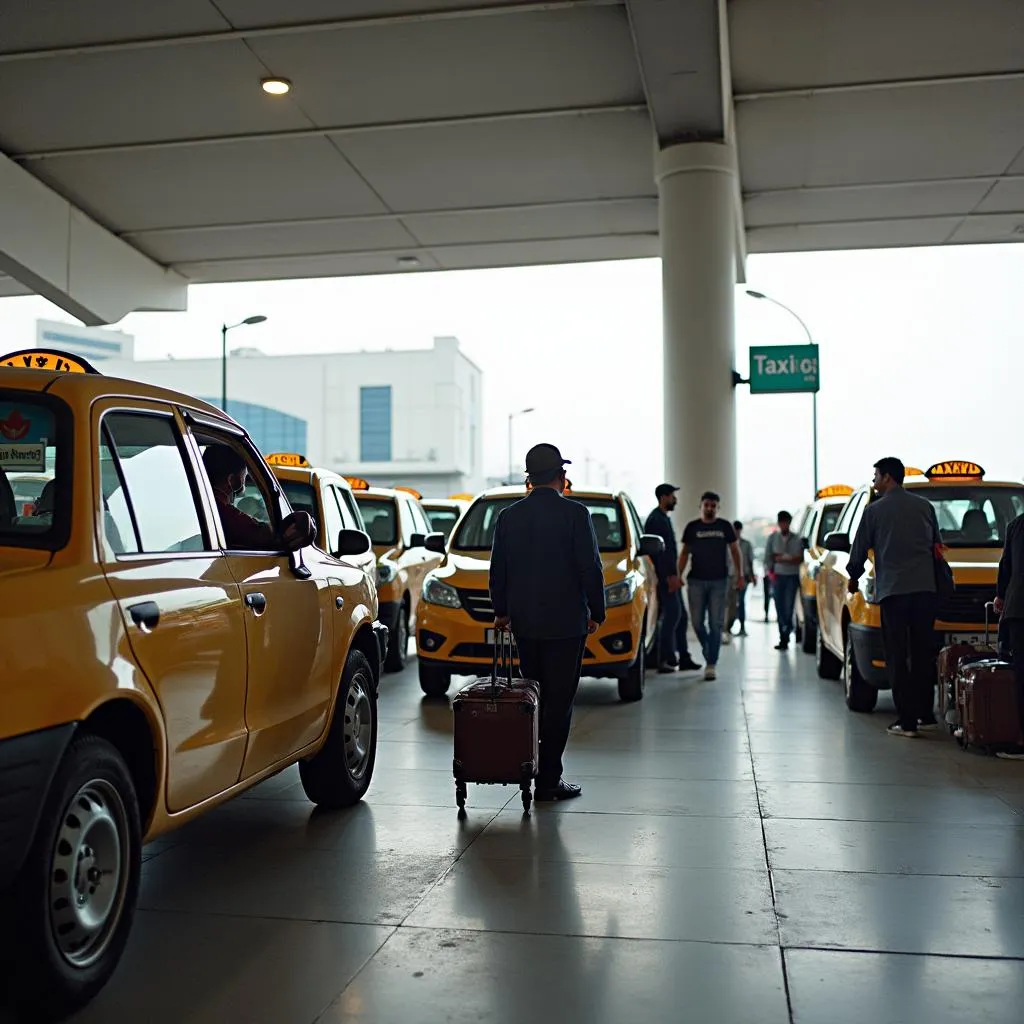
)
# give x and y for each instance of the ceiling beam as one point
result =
(54, 249)
(868, 186)
(896, 83)
(342, 130)
(304, 28)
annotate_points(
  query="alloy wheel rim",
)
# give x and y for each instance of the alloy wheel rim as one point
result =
(88, 873)
(358, 727)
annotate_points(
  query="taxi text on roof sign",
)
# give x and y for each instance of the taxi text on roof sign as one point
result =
(357, 483)
(290, 459)
(955, 471)
(46, 359)
(835, 491)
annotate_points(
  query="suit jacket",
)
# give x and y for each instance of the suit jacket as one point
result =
(546, 571)
(1011, 571)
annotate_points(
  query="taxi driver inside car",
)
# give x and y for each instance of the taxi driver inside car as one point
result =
(164, 695)
(972, 514)
(455, 630)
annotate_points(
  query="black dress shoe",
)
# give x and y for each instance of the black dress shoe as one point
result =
(563, 791)
(666, 669)
(689, 665)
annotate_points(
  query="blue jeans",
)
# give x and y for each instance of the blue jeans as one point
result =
(785, 590)
(707, 610)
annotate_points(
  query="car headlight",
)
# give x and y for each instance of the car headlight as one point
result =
(620, 593)
(437, 592)
(386, 572)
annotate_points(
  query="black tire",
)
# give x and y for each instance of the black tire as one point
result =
(827, 664)
(631, 685)
(339, 774)
(58, 959)
(861, 696)
(434, 681)
(810, 637)
(398, 643)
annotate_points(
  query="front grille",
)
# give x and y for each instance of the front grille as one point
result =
(478, 604)
(966, 605)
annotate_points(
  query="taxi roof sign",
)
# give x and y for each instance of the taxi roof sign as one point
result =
(292, 460)
(955, 471)
(460, 497)
(835, 491)
(47, 359)
(410, 490)
(357, 483)
(912, 471)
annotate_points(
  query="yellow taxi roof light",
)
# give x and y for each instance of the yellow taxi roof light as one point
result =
(912, 471)
(835, 491)
(290, 459)
(955, 471)
(460, 497)
(357, 483)
(47, 359)
(410, 490)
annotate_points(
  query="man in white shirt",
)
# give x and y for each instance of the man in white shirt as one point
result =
(782, 556)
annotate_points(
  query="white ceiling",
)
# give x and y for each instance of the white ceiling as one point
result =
(472, 133)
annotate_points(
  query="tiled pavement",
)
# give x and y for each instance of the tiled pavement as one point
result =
(745, 851)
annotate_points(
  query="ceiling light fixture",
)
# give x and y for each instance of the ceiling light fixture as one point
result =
(275, 86)
(408, 261)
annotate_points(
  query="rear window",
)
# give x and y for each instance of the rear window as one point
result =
(975, 516)
(476, 533)
(35, 485)
(380, 519)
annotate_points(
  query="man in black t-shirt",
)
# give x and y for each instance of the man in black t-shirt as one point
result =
(708, 541)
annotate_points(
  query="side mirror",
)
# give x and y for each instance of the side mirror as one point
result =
(837, 541)
(417, 540)
(652, 545)
(435, 542)
(353, 542)
(298, 531)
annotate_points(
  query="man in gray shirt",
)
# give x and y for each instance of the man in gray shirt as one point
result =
(782, 555)
(903, 532)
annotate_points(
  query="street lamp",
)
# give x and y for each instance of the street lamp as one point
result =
(814, 395)
(224, 355)
(511, 417)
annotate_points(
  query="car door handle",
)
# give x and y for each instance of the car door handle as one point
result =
(257, 602)
(145, 615)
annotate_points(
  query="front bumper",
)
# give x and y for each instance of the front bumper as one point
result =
(27, 766)
(869, 653)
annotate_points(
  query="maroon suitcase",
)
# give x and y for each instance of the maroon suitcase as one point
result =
(986, 694)
(951, 659)
(496, 728)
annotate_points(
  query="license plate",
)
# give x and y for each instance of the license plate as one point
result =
(977, 639)
(490, 638)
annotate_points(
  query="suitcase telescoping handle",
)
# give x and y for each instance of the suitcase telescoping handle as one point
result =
(502, 657)
(990, 608)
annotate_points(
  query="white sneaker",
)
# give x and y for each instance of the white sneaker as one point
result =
(1011, 755)
(897, 730)
(727, 638)
(710, 673)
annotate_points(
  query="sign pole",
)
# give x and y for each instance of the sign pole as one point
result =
(814, 416)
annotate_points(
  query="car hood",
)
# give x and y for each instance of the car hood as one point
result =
(974, 565)
(470, 569)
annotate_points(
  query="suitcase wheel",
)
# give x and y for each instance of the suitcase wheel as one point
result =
(460, 795)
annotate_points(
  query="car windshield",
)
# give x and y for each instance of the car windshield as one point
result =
(380, 519)
(476, 532)
(302, 499)
(443, 520)
(32, 503)
(975, 516)
(829, 517)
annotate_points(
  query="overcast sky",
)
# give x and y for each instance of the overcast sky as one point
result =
(922, 354)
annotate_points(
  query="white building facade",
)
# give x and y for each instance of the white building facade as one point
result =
(412, 417)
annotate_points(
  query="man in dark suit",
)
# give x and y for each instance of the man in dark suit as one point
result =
(1010, 605)
(547, 586)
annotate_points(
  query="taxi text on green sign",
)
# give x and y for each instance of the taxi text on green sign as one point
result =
(778, 369)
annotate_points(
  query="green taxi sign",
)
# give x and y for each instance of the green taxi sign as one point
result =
(783, 369)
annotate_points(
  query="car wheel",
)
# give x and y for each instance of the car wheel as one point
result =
(631, 685)
(72, 905)
(860, 695)
(434, 681)
(827, 664)
(398, 647)
(339, 773)
(810, 638)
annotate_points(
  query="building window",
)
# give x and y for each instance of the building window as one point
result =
(271, 430)
(375, 424)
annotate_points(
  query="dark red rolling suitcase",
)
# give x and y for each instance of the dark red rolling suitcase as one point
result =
(951, 659)
(986, 693)
(496, 728)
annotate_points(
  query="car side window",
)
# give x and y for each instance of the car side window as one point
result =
(843, 526)
(149, 501)
(419, 518)
(634, 518)
(405, 515)
(333, 523)
(347, 501)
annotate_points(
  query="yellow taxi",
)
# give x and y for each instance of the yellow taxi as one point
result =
(151, 667)
(329, 499)
(399, 530)
(444, 513)
(973, 514)
(815, 523)
(455, 622)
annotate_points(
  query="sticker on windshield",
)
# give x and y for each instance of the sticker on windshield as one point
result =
(28, 458)
(24, 433)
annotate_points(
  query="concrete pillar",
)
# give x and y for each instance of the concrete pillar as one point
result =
(698, 259)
